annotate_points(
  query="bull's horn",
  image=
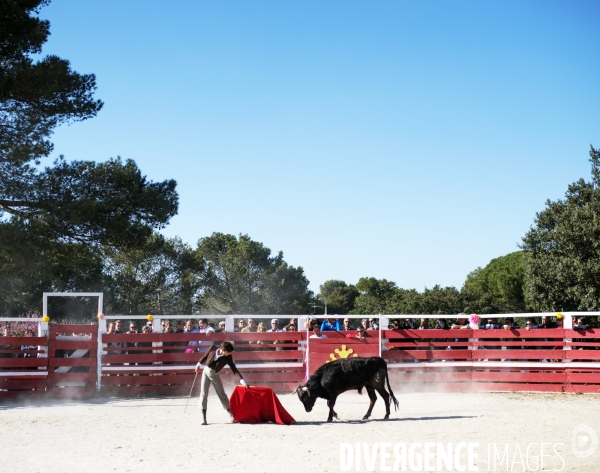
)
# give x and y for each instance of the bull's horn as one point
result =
(296, 390)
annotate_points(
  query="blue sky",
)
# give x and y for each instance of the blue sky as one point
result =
(412, 141)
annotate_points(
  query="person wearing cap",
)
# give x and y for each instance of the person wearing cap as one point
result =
(211, 363)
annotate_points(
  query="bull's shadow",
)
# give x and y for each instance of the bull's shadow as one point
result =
(405, 419)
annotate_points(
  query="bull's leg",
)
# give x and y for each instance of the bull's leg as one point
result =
(372, 401)
(386, 398)
(330, 404)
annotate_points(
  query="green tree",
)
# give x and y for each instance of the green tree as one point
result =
(374, 296)
(30, 265)
(338, 296)
(562, 268)
(109, 203)
(241, 277)
(35, 96)
(499, 288)
(162, 276)
(437, 300)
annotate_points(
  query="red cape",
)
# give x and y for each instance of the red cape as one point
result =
(256, 405)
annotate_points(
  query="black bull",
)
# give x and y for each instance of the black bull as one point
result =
(336, 377)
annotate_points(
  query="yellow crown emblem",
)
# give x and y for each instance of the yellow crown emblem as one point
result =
(343, 353)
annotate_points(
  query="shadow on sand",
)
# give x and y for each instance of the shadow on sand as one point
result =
(406, 419)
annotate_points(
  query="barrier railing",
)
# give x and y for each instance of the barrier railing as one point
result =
(22, 370)
(164, 363)
(70, 361)
(551, 360)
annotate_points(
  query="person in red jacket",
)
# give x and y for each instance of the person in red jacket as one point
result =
(213, 361)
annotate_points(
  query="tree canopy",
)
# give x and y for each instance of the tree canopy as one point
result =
(338, 296)
(562, 268)
(162, 276)
(241, 277)
(108, 203)
(499, 288)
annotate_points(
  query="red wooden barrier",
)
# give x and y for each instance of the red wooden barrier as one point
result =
(164, 363)
(23, 366)
(338, 345)
(550, 360)
(72, 360)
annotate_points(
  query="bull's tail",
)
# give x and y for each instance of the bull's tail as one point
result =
(394, 400)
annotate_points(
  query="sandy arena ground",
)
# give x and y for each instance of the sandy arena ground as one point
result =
(154, 435)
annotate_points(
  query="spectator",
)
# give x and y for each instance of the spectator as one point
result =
(361, 333)
(395, 325)
(240, 325)
(111, 330)
(373, 325)
(132, 329)
(251, 327)
(408, 324)
(312, 321)
(274, 326)
(461, 322)
(440, 324)
(146, 329)
(180, 327)
(559, 323)
(580, 323)
(168, 330)
(189, 327)
(346, 325)
(291, 328)
(118, 327)
(509, 324)
(547, 323)
(317, 333)
(529, 324)
(365, 323)
(262, 328)
(330, 324)
(424, 324)
(293, 321)
(205, 329)
(491, 324)
(221, 327)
